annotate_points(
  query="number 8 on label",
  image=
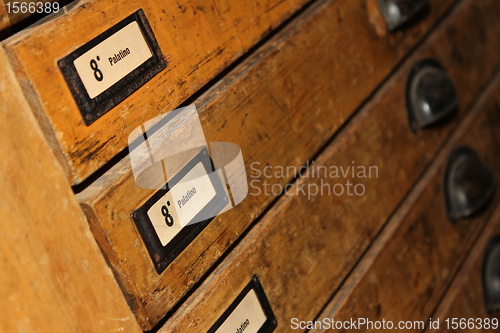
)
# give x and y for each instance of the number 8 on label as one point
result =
(169, 219)
(97, 72)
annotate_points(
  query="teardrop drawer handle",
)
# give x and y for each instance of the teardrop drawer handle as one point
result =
(397, 12)
(468, 184)
(430, 94)
(491, 275)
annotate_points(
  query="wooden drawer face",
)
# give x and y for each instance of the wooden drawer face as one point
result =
(465, 298)
(302, 249)
(198, 40)
(251, 110)
(409, 267)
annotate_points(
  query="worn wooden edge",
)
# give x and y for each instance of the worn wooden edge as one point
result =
(434, 175)
(43, 121)
(55, 278)
(109, 254)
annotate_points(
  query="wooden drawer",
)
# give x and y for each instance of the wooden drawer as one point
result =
(283, 103)
(198, 41)
(251, 110)
(406, 271)
(302, 258)
(465, 298)
(301, 249)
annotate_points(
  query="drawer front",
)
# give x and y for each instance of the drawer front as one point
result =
(465, 299)
(197, 40)
(409, 267)
(402, 276)
(303, 248)
(249, 109)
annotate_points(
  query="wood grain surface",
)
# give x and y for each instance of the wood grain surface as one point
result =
(274, 99)
(464, 299)
(369, 140)
(407, 270)
(54, 277)
(199, 40)
(302, 250)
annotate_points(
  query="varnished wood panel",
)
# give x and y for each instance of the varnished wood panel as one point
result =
(302, 249)
(273, 100)
(54, 278)
(199, 40)
(409, 267)
(464, 298)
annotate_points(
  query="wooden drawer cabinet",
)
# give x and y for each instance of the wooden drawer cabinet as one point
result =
(297, 85)
(270, 116)
(197, 40)
(405, 272)
(401, 277)
(225, 30)
(303, 249)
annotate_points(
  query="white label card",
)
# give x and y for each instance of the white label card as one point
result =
(109, 68)
(112, 59)
(177, 208)
(247, 317)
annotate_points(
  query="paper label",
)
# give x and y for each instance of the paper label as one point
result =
(177, 208)
(112, 59)
(247, 317)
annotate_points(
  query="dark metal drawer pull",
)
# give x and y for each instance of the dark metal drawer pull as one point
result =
(491, 275)
(397, 12)
(468, 184)
(430, 94)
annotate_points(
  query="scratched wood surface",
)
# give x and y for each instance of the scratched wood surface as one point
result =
(54, 277)
(199, 40)
(464, 298)
(407, 270)
(109, 202)
(303, 249)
